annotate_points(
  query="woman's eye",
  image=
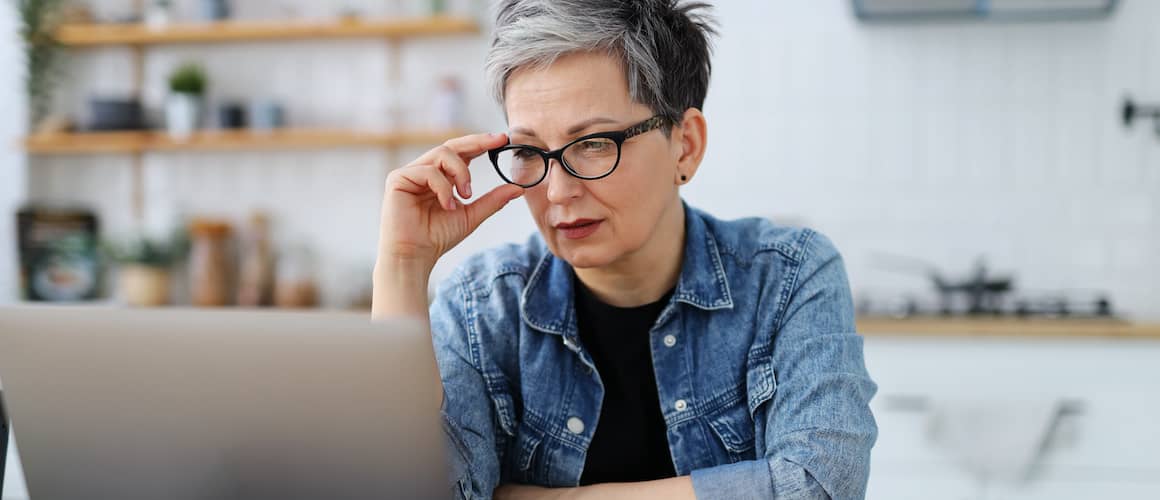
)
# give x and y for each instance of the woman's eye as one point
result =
(596, 146)
(524, 154)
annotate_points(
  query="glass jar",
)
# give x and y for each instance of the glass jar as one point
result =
(295, 286)
(256, 274)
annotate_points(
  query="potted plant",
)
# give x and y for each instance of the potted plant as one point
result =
(183, 108)
(143, 269)
(42, 52)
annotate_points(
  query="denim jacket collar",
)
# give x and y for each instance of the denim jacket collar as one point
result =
(547, 303)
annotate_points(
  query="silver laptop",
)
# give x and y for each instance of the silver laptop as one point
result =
(194, 404)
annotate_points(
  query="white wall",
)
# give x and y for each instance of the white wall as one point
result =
(942, 141)
(946, 141)
(12, 173)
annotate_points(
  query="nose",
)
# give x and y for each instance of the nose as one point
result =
(562, 186)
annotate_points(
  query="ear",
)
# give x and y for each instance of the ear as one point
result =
(688, 139)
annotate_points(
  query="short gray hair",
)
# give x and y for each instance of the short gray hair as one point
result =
(663, 44)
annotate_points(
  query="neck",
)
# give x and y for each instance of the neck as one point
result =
(646, 275)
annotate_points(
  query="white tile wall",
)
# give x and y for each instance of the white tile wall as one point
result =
(12, 169)
(943, 141)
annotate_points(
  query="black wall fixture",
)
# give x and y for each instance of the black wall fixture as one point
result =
(1132, 111)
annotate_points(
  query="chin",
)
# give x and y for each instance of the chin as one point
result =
(584, 255)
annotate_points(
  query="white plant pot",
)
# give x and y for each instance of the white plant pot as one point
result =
(157, 17)
(182, 113)
(144, 286)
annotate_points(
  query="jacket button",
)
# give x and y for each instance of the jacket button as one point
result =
(681, 405)
(575, 425)
(670, 341)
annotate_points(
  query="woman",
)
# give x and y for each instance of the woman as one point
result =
(635, 347)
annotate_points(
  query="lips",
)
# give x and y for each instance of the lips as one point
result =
(579, 228)
(576, 223)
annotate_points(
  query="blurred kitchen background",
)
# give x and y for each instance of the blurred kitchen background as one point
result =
(989, 169)
(917, 142)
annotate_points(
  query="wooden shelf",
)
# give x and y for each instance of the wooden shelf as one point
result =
(80, 35)
(228, 140)
(1007, 327)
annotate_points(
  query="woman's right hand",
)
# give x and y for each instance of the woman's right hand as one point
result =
(422, 219)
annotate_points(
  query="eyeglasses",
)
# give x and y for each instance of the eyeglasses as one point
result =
(591, 157)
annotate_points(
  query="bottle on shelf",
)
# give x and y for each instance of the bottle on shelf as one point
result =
(210, 269)
(256, 277)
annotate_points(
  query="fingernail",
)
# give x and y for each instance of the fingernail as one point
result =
(467, 190)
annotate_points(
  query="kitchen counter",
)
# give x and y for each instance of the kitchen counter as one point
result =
(1007, 327)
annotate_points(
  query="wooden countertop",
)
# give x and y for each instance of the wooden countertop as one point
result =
(1007, 327)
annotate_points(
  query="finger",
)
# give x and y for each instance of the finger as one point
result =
(423, 179)
(464, 148)
(452, 165)
(490, 203)
(439, 184)
(470, 146)
(467, 147)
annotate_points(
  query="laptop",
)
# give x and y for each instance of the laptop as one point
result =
(199, 404)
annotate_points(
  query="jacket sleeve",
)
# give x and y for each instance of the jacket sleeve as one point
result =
(467, 409)
(818, 425)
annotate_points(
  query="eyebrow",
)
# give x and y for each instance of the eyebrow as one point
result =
(575, 129)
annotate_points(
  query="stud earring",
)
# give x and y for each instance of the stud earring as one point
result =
(683, 178)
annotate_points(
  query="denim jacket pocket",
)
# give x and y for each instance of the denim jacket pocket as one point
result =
(734, 428)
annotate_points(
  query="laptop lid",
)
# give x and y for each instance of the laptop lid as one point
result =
(196, 404)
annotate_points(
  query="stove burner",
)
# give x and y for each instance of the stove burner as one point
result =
(980, 293)
(1047, 305)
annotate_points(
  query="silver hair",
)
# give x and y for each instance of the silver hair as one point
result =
(663, 45)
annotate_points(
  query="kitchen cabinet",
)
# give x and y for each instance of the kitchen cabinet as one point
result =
(1106, 447)
(1064, 489)
(941, 484)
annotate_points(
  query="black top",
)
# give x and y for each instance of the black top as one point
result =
(631, 442)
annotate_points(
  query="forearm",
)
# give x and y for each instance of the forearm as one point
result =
(677, 488)
(400, 288)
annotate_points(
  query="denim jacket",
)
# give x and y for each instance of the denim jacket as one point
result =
(759, 370)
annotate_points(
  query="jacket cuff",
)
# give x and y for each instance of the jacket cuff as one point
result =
(749, 480)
